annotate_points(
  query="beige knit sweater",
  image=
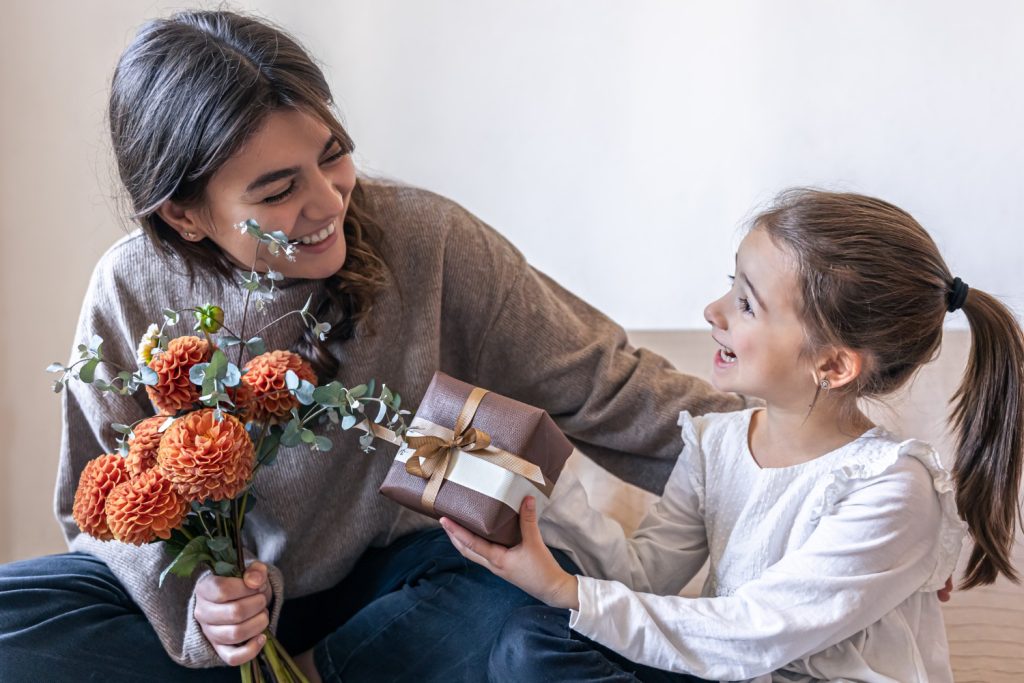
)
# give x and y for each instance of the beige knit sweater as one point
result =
(460, 299)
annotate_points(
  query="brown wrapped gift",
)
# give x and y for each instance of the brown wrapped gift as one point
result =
(473, 456)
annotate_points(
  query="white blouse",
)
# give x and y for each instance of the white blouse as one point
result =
(826, 570)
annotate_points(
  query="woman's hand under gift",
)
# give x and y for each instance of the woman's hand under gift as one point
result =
(529, 565)
(233, 614)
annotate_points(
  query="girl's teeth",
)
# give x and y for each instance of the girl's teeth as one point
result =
(726, 355)
(319, 236)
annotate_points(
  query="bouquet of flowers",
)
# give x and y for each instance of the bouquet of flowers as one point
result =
(185, 477)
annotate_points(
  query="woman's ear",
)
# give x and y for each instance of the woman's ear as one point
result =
(185, 221)
(840, 366)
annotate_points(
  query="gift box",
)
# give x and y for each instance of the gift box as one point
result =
(473, 455)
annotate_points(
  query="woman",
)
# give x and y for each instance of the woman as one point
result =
(217, 118)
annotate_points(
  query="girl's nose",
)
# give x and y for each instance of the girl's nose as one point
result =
(713, 314)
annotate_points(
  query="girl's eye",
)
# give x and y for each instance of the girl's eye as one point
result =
(744, 305)
(280, 196)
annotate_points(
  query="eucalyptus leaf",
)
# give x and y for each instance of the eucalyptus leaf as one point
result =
(307, 436)
(381, 413)
(348, 422)
(171, 316)
(221, 568)
(357, 391)
(256, 346)
(55, 367)
(233, 375)
(88, 371)
(226, 341)
(290, 437)
(366, 442)
(329, 395)
(218, 366)
(197, 373)
(291, 380)
(186, 561)
(305, 393)
(121, 428)
(322, 443)
(219, 544)
(148, 376)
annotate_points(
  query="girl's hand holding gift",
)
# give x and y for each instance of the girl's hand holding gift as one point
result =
(233, 613)
(529, 565)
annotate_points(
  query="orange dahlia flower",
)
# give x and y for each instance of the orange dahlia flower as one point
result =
(174, 390)
(205, 458)
(145, 508)
(265, 375)
(98, 478)
(142, 449)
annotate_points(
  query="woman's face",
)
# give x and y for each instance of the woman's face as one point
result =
(292, 176)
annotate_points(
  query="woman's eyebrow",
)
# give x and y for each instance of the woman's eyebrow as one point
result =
(274, 176)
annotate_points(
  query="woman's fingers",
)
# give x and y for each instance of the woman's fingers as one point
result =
(233, 612)
(237, 634)
(235, 655)
(223, 588)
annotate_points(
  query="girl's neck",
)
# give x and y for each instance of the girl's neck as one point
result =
(781, 437)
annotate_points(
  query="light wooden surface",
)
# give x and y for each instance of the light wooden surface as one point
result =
(985, 626)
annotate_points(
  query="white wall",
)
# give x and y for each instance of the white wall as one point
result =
(619, 144)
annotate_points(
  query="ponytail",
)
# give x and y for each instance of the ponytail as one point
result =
(988, 419)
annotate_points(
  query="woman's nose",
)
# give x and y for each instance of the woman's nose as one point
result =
(326, 200)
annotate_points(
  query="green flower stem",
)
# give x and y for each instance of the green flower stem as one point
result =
(274, 322)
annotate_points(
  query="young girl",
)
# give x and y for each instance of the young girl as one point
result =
(216, 118)
(827, 536)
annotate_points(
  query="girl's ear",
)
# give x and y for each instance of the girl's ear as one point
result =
(185, 221)
(840, 366)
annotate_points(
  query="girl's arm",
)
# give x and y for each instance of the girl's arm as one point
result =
(876, 549)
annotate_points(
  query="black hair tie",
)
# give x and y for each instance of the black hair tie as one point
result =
(957, 295)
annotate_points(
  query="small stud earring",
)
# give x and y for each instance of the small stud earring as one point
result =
(825, 384)
(188, 235)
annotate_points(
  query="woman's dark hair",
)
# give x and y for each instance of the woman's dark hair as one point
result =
(872, 280)
(187, 94)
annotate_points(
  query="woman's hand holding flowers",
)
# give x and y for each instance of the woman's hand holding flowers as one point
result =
(233, 613)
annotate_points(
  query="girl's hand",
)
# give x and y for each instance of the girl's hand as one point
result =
(233, 614)
(529, 565)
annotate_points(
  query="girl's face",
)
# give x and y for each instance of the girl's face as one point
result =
(758, 327)
(292, 176)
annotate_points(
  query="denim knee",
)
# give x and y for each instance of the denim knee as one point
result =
(526, 642)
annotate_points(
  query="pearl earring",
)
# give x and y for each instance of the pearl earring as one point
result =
(188, 235)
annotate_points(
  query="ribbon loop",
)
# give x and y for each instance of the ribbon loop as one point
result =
(433, 456)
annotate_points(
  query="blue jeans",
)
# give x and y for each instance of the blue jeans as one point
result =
(536, 644)
(413, 611)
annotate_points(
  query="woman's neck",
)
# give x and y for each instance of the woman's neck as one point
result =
(781, 437)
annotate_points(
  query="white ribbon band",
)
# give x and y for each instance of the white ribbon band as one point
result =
(476, 473)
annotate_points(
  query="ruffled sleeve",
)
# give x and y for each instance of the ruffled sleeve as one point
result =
(875, 463)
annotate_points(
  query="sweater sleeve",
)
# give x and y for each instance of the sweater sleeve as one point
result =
(538, 343)
(875, 549)
(88, 414)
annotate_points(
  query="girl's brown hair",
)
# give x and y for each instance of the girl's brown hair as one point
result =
(187, 94)
(873, 280)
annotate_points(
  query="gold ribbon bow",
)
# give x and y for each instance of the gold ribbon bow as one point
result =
(432, 458)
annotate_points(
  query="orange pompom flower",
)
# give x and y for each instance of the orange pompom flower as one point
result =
(174, 390)
(265, 375)
(143, 447)
(205, 458)
(99, 477)
(145, 508)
